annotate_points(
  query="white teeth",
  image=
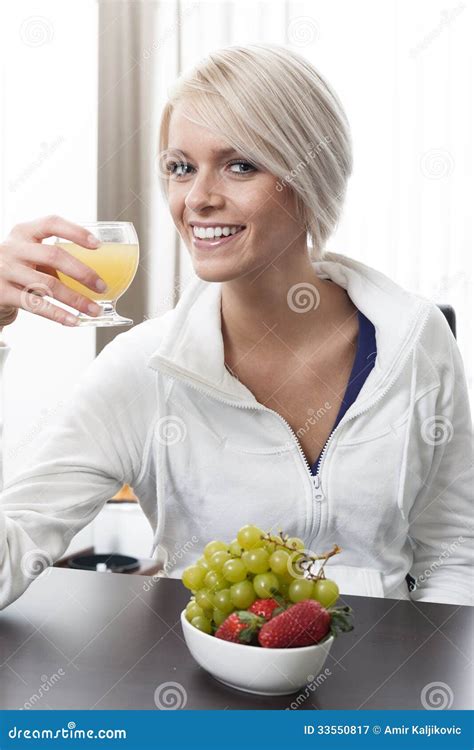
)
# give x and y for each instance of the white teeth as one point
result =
(210, 233)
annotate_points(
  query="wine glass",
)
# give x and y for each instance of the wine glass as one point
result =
(115, 261)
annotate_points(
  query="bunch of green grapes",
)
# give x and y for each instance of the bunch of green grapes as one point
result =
(231, 577)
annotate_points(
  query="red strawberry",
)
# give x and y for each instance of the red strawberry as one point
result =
(264, 608)
(304, 624)
(240, 627)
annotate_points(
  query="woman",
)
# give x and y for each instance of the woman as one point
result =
(294, 392)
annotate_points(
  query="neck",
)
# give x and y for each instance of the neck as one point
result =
(260, 309)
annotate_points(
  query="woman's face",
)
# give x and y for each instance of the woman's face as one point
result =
(216, 186)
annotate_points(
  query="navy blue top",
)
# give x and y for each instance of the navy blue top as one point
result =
(363, 364)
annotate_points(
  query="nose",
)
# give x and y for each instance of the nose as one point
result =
(203, 192)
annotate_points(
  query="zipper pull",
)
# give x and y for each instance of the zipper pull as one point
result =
(317, 491)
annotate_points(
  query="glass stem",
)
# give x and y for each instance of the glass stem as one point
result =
(107, 307)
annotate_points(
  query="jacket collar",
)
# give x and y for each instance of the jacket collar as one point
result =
(192, 348)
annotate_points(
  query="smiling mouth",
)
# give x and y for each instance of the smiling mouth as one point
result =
(209, 243)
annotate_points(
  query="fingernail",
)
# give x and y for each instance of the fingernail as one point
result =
(100, 285)
(94, 309)
(93, 240)
(71, 320)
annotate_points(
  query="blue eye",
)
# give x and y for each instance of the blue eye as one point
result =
(173, 166)
(245, 163)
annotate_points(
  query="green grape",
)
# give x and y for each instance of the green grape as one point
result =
(295, 543)
(205, 600)
(215, 581)
(242, 594)
(256, 560)
(250, 536)
(283, 587)
(217, 560)
(300, 589)
(326, 592)
(234, 570)
(223, 602)
(279, 561)
(202, 562)
(202, 623)
(212, 547)
(270, 547)
(288, 577)
(193, 610)
(193, 577)
(235, 548)
(263, 584)
(218, 616)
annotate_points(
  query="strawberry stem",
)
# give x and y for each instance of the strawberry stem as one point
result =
(283, 604)
(340, 620)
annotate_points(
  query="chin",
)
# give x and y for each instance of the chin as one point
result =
(209, 271)
(214, 268)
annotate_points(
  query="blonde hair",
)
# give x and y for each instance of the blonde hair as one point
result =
(271, 105)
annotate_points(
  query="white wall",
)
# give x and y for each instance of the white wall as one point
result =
(48, 164)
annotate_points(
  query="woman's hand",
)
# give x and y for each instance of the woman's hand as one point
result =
(28, 271)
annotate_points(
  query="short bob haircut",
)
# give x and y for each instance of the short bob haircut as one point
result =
(274, 108)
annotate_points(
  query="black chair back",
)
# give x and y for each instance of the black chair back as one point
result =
(450, 316)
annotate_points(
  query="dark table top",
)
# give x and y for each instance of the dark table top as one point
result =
(85, 640)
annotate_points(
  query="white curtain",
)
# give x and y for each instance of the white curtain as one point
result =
(405, 80)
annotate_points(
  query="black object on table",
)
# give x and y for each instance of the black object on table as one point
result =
(98, 641)
(113, 562)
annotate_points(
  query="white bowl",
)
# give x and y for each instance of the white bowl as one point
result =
(265, 671)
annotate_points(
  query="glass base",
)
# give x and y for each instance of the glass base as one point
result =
(110, 317)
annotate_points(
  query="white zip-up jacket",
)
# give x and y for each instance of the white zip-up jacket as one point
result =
(158, 410)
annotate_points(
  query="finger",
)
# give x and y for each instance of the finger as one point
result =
(56, 258)
(37, 305)
(48, 270)
(52, 225)
(44, 285)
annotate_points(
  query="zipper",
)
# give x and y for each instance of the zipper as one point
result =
(317, 491)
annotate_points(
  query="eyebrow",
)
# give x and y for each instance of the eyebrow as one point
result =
(215, 151)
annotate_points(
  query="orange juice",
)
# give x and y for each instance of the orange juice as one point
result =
(115, 262)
